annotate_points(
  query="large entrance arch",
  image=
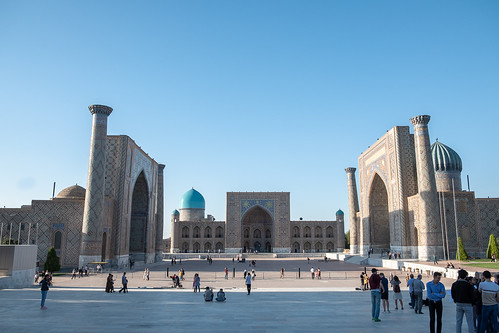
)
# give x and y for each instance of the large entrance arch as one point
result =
(256, 229)
(379, 215)
(139, 217)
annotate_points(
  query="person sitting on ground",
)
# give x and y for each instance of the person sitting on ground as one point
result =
(208, 295)
(220, 296)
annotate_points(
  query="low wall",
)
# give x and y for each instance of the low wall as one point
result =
(18, 265)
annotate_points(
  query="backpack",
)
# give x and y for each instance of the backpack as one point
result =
(396, 288)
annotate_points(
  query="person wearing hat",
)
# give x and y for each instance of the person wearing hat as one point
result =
(376, 290)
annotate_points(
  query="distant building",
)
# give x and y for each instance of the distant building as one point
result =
(256, 221)
(406, 199)
(120, 217)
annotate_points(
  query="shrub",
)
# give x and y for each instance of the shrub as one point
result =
(52, 263)
(492, 247)
(461, 252)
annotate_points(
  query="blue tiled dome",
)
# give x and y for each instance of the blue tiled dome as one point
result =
(175, 212)
(192, 199)
(445, 158)
(340, 212)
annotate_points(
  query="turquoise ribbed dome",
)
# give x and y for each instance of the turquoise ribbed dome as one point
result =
(192, 199)
(445, 158)
(175, 212)
(340, 212)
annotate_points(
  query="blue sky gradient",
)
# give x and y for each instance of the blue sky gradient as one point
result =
(244, 96)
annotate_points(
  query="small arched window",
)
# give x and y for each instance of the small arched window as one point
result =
(58, 240)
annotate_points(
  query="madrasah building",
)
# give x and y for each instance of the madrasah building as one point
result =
(407, 189)
(256, 221)
(117, 218)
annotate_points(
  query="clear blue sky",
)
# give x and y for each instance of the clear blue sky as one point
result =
(244, 95)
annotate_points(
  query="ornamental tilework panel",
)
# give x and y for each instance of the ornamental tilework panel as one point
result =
(247, 204)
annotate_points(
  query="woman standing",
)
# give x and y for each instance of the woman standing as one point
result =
(397, 295)
(45, 283)
(196, 283)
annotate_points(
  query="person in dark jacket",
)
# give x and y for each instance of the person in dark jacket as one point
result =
(463, 295)
(45, 283)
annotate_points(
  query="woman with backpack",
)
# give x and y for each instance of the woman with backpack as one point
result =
(397, 295)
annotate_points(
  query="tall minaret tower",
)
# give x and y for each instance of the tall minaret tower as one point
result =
(353, 208)
(428, 225)
(160, 214)
(93, 213)
(175, 236)
(340, 230)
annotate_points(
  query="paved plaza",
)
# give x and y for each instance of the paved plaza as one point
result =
(275, 305)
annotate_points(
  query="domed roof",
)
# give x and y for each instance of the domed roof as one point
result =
(192, 199)
(72, 192)
(340, 212)
(175, 212)
(445, 158)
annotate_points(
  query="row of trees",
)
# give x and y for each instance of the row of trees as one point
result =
(461, 254)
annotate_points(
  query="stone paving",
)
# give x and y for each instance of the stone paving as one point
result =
(294, 305)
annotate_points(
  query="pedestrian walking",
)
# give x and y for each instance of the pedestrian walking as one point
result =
(463, 295)
(490, 294)
(226, 273)
(435, 291)
(124, 282)
(196, 284)
(397, 294)
(409, 281)
(248, 283)
(376, 290)
(313, 272)
(45, 283)
(417, 288)
(384, 294)
(282, 273)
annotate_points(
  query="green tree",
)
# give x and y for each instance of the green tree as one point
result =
(52, 263)
(5, 241)
(492, 248)
(347, 239)
(461, 252)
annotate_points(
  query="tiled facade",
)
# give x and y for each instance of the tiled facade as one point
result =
(118, 217)
(399, 201)
(256, 221)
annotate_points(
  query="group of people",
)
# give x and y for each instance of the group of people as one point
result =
(315, 273)
(476, 298)
(145, 275)
(208, 295)
(82, 271)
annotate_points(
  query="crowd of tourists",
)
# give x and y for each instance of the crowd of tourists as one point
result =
(476, 298)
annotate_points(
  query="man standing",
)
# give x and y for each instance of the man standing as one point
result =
(226, 273)
(248, 282)
(435, 291)
(124, 282)
(489, 291)
(313, 272)
(384, 294)
(376, 290)
(411, 290)
(462, 293)
(418, 287)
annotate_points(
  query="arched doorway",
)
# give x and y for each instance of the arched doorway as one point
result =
(254, 221)
(379, 217)
(139, 217)
(104, 246)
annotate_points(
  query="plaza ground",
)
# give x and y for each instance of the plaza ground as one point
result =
(291, 304)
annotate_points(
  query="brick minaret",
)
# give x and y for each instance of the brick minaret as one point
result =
(353, 208)
(93, 213)
(428, 225)
(160, 214)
